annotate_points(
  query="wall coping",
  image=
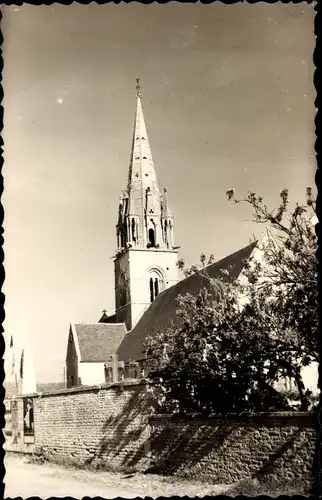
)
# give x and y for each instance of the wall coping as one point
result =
(123, 385)
(232, 416)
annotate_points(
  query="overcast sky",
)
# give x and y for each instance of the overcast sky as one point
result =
(228, 101)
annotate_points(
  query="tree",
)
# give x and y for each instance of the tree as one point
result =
(290, 267)
(233, 340)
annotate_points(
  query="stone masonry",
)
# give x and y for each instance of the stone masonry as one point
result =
(278, 446)
(94, 426)
(115, 427)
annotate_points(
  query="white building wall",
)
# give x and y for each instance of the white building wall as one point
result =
(310, 376)
(10, 358)
(29, 385)
(91, 373)
(12, 365)
(140, 263)
(136, 265)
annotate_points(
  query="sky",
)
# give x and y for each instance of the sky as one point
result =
(228, 99)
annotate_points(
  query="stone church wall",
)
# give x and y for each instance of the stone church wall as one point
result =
(276, 447)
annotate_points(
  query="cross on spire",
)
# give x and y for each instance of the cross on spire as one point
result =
(138, 88)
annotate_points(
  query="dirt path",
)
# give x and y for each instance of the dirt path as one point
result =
(26, 479)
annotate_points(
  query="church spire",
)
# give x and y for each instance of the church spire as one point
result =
(143, 211)
(146, 259)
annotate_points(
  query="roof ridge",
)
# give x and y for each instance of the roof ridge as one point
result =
(231, 254)
(116, 323)
(210, 265)
(97, 324)
(164, 308)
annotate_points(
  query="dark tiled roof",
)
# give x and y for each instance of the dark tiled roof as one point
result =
(99, 341)
(107, 319)
(50, 386)
(162, 312)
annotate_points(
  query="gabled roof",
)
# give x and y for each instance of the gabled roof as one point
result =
(97, 342)
(107, 319)
(162, 312)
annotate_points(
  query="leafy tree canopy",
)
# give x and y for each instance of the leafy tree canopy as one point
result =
(234, 340)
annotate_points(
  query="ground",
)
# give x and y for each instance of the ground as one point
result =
(26, 479)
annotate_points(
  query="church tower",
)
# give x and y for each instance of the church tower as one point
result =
(146, 259)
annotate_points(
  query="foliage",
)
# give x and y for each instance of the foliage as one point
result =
(290, 268)
(234, 340)
(187, 271)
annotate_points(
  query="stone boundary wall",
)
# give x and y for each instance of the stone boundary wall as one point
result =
(101, 426)
(278, 447)
(114, 426)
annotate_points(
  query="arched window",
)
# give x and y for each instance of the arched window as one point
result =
(133, 230)
(156, 283)
(166, 232)
(152, 237)
(122, 290)
(122, 238)
(170, 240)
(156, 286)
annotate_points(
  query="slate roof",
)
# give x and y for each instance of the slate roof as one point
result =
(107, 319)
(97, 342)
(162, 312)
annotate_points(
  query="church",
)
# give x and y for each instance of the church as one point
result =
(145, 264)
(147, 280)
(146, 276)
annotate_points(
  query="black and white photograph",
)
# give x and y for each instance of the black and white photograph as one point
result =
(161, 277)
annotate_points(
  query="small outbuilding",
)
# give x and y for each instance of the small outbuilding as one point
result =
(90, 347)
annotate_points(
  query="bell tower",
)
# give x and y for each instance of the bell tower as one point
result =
(146, 259)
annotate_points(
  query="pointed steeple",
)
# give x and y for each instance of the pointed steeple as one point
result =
(146, 260)
(142, 208)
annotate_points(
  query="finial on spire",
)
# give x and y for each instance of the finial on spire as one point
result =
(138, 88)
